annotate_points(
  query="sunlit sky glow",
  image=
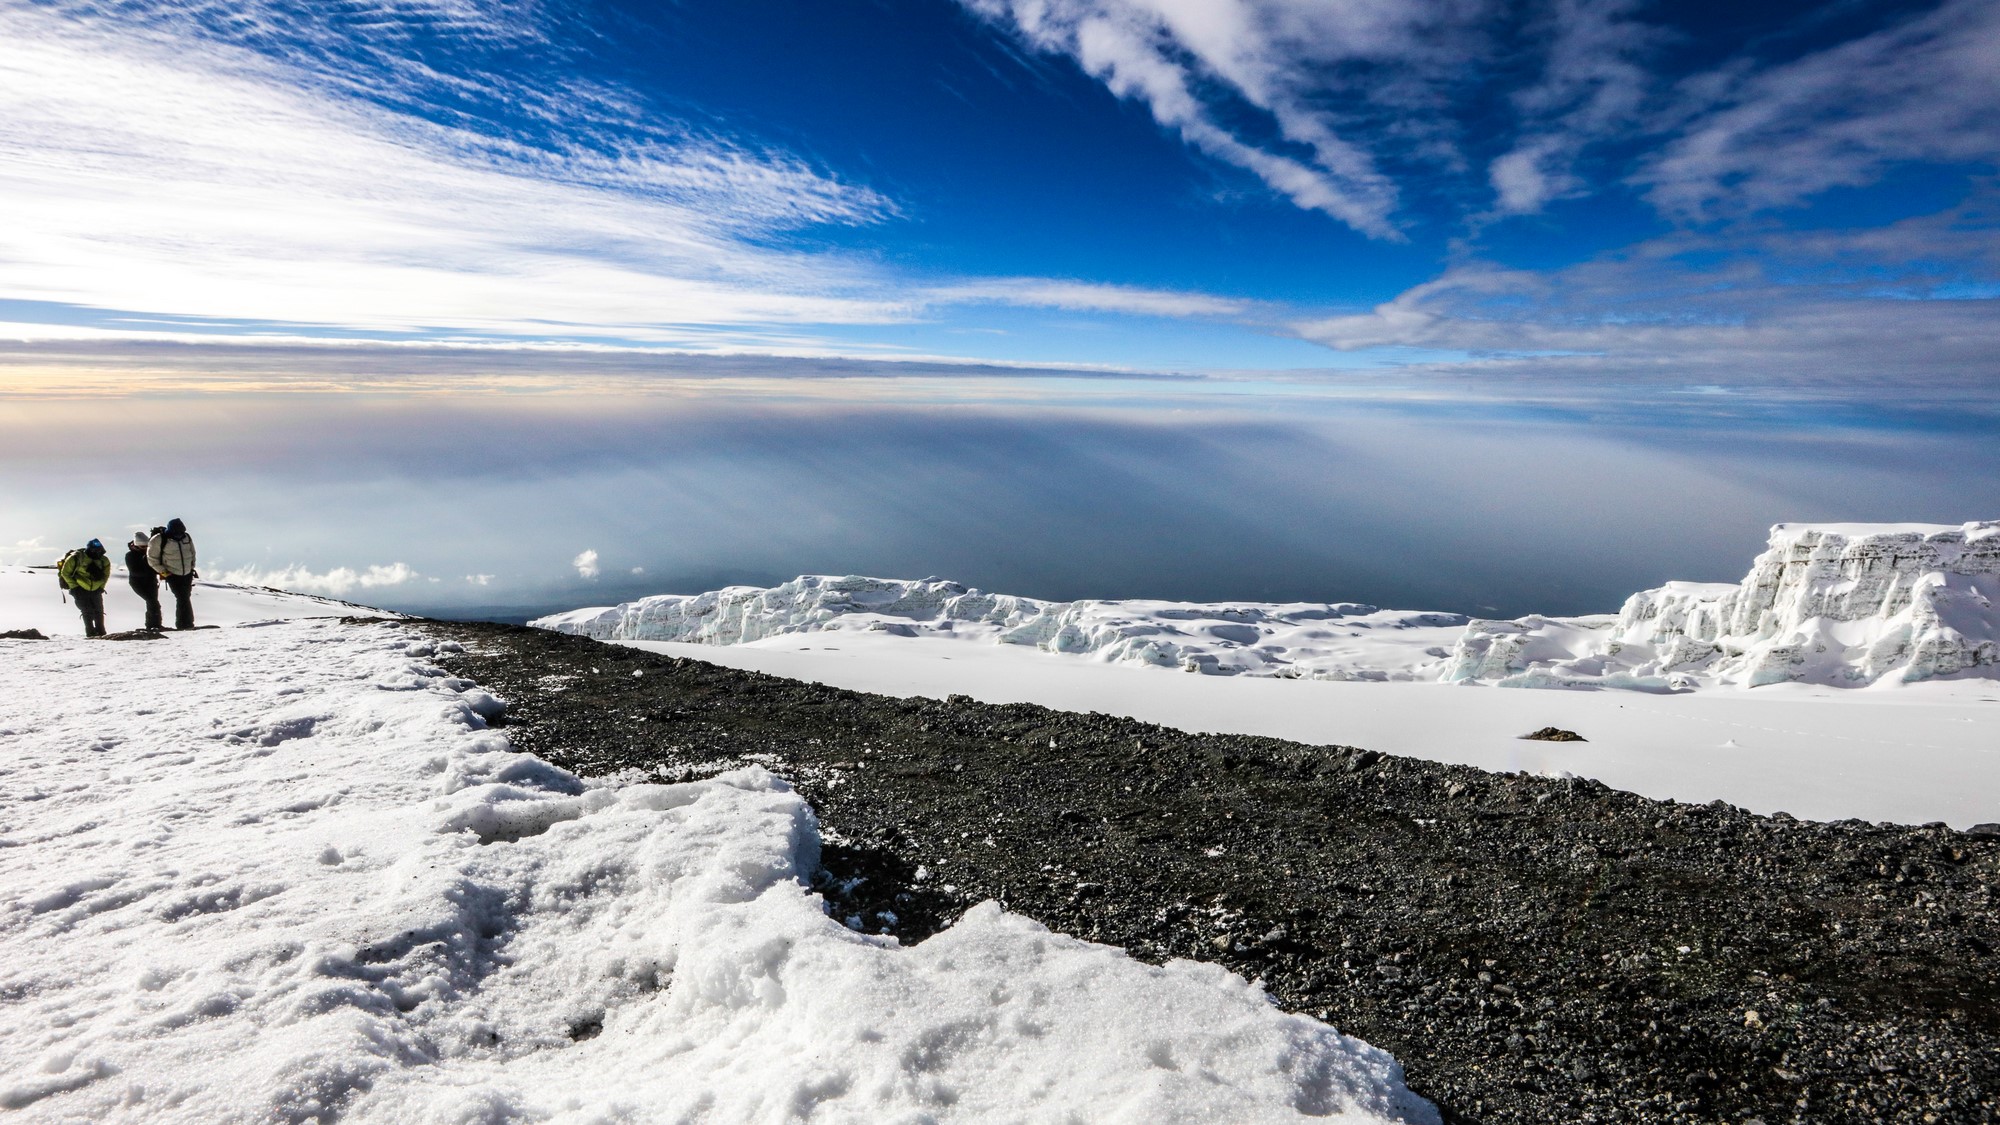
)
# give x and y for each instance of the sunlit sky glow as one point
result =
(1691, 236)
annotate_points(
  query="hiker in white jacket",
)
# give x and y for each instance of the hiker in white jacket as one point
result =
(171, 555)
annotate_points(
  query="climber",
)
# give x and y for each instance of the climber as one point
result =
(85, 572)
(171, 555)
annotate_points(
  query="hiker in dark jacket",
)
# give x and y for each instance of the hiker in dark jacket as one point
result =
(85, 573)
(171, 555)
(145, 583)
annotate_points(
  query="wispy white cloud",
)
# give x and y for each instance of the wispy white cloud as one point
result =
(1078, 296)
(586, 564)
(1771, 306)
(1593, 81)
(1746, 138)
(1358, 107)
(1363, 98)
(338, 582)
(150, 168)
(178, 168)
(1277, 55)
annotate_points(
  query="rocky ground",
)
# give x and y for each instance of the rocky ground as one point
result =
(1534, 950)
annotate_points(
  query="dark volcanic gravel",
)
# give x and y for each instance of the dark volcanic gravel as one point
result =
(1533, 950)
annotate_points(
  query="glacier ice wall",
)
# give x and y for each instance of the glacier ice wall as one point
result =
(1339, 641)
(809, 603)
(1838, 604)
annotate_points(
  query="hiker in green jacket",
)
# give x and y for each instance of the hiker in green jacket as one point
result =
(84, 573)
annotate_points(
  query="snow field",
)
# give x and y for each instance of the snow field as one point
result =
(289, 874)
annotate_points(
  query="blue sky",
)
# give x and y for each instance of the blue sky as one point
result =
(1754, 235)
(1193, 184)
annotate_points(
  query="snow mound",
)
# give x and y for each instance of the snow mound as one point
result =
(1339, 641)
(1838, 604)
(289, 874)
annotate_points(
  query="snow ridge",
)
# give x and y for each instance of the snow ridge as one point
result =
(289, 874)
(1339, 641)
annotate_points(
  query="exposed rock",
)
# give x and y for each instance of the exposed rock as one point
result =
(136, 635)
(23, 635)
(1554, 734)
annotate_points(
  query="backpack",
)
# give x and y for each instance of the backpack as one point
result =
(62, 568)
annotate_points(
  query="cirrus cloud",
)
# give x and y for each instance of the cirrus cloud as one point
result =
(149, 168)
(1904, 303)
(1356, 109)
(1747, 138)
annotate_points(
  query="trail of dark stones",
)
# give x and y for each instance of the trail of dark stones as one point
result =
(1533, 950)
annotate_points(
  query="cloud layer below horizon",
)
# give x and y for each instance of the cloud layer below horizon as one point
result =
(1399, 492)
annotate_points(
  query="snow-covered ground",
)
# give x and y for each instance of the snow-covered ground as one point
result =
(287, 873)
(30, 599)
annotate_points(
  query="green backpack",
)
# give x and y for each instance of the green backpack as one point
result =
(62, 568)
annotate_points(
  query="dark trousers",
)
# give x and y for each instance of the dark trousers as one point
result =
(151, 596)
(90, 603)
(183, 587)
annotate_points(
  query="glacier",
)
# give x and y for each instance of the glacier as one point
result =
(1842, 605)
(1845, 605)
(1304, 640)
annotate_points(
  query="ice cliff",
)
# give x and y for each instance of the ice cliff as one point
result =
(1304, 640)
(1837, 604)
